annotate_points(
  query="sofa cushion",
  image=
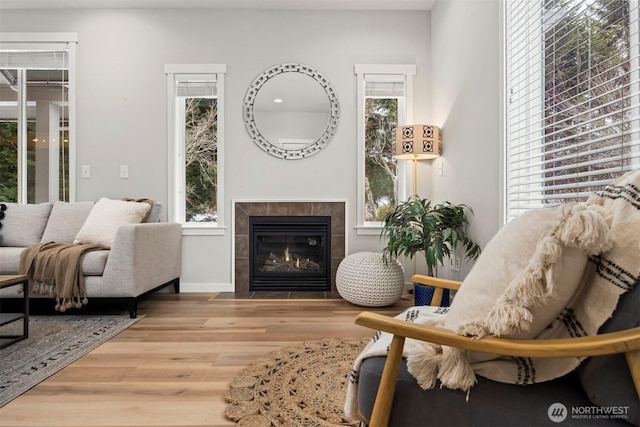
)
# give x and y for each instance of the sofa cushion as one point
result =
(23, 224)
(154, 213)
(105, 218)
(93, 262)
(9, 259)
(65, 221)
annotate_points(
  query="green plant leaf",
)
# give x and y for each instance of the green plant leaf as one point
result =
(417, 226)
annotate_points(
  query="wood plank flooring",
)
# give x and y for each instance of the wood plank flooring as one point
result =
(173, 367)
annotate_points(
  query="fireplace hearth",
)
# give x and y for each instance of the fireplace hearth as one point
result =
(290, 253)
(244, 210)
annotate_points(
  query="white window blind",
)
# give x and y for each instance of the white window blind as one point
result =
(573, 99)
(35, 59)
(196, 86)
(380, 86)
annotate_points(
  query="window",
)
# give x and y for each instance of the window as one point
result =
(196, 117)
(572, 75)
(384, 102)
(37, 117)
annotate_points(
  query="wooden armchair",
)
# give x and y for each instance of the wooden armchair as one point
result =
(624, 341)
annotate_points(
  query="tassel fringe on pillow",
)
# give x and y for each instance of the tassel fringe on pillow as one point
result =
(583, 228)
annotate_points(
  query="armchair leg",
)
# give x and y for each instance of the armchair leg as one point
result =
(387, 388)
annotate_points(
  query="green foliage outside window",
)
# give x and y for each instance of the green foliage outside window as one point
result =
(201, 155)
(381, 118)
(587, 91)
(9, 162)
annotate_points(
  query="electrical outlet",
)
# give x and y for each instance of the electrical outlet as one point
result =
(457, 264)
(454, 263)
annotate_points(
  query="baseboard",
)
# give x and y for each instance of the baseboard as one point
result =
(205, 287)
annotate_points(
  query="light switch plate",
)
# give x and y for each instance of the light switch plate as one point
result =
(124, 171)
(86, 171)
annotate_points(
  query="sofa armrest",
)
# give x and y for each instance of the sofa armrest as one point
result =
(142, 257)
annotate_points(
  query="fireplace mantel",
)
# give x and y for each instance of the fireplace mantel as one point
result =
(245, 209)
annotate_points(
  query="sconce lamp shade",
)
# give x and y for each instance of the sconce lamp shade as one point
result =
(417, 142)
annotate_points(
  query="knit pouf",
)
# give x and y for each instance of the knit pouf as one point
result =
(365, 279)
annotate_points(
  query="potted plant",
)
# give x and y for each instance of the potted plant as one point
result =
(436, 231)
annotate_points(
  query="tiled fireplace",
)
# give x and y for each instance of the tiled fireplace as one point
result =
(248, 212)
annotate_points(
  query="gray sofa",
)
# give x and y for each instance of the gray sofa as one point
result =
(143, 257)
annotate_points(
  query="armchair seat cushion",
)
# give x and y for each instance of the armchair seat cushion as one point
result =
(490, 403)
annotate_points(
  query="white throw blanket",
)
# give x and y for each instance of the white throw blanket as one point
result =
(379, 346)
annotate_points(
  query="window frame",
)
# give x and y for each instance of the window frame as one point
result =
(369, 72)
(175, 148)
(46, 41)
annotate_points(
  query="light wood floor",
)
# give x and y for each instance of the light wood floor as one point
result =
(172, 368)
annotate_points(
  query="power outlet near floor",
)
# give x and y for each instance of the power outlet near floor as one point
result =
(454, 263)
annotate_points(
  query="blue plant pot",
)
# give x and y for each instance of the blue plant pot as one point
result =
(423, 294)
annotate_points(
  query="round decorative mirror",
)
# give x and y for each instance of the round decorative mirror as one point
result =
(291, 111)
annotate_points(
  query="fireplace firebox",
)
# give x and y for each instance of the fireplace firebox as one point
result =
(289, 253)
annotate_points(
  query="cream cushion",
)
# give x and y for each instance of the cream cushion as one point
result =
(529, 274)
(105, 218)
(505, 258)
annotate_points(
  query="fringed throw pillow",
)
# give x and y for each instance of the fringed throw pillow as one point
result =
(106, 216)
(528, 273)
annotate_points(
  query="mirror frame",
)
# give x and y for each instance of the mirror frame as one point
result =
(266, 145)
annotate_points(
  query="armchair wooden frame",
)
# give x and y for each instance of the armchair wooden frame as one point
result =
(627, 342)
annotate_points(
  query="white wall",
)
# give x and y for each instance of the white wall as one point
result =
(465, 88)
(121, 101)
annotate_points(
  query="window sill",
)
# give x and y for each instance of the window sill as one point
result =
(190, 230)
(368, 230)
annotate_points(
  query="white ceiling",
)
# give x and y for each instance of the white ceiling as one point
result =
(235, 4)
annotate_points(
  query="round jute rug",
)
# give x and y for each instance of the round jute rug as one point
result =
(299, 385)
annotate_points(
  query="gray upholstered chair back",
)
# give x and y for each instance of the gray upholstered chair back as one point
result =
(606, 379)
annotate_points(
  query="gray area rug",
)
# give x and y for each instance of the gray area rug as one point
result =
(54, 342)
